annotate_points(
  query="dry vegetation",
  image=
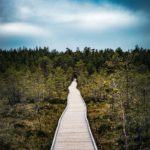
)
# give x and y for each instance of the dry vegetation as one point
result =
(28, 125)
(114, 84)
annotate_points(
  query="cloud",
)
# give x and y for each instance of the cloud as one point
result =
(97, 20)
(76, 15)
(63, 23)
(20, 29)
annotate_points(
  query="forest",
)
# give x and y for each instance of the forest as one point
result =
(115, 85)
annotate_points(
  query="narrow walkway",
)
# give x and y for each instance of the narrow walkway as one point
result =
(73, 131)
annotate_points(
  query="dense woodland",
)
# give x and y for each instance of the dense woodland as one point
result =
(115, 85)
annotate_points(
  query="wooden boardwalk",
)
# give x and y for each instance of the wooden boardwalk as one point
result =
(73, 131)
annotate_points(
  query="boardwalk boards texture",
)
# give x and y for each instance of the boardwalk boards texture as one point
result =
(73, 131)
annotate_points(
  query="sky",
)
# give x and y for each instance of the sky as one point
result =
(61, 24)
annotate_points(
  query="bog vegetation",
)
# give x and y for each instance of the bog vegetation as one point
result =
(115, 84)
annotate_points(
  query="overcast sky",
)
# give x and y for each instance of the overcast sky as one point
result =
(75, 23)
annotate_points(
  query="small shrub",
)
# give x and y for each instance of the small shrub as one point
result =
(4, 146)
(18, 125)
(41, 133)
(104, 128)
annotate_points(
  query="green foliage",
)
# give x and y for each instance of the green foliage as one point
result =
(28, 125)
(118, 108)
(34, 86)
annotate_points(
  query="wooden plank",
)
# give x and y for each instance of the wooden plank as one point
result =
(73, 131)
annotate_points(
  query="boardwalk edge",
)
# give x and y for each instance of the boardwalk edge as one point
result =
(89, 129)
(58, 125)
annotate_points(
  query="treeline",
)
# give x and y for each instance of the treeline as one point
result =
(114, 83)
(94, 60)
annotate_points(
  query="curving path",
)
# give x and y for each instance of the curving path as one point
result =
(73, 131)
